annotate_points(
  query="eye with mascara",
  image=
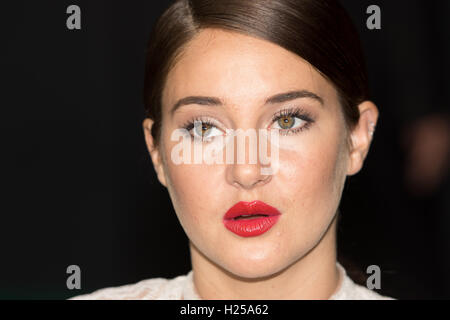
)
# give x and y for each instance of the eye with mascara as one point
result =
(203, 129)
(291, 121)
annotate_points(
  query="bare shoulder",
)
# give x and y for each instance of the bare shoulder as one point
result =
(149, 289)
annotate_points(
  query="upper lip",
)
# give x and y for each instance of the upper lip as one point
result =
(251, 208)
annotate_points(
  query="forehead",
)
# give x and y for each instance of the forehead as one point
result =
(239, 69)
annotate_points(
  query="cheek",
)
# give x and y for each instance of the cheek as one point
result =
(194, 191)
(313, 175)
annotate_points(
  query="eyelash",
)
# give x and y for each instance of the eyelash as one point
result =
(294, 113)
(288, 112)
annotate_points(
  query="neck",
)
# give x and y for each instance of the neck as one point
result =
(312, 277)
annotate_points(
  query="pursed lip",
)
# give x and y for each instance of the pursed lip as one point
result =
(256, 207)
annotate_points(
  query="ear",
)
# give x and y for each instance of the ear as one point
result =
(154, 151)
(361, 136)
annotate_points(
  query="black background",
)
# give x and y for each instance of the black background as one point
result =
(78, 187)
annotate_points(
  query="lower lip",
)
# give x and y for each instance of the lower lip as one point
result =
(250, 227)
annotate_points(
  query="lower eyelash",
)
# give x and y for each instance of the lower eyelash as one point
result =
(288, 132)
(294, 113)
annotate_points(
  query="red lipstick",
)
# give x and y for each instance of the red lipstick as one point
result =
(249, 219)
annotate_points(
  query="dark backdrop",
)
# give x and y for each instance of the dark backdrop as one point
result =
(78, 187)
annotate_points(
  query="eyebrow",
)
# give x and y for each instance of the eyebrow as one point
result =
(278, 98)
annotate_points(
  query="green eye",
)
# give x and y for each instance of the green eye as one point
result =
(202, 129)
(286, 122)
(291, 121)
(205, 130)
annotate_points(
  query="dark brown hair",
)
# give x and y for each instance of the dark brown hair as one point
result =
(319, 31)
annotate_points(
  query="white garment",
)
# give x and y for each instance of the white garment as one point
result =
(182, 288)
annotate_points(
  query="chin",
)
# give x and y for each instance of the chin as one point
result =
(258, 264)
(254, 270)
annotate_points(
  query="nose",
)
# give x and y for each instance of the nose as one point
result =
(247, 174)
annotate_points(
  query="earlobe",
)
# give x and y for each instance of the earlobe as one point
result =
(154, 151)
(361, 136)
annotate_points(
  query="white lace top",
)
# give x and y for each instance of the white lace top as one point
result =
(182, 288)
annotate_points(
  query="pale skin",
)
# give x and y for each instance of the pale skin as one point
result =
(296, 258)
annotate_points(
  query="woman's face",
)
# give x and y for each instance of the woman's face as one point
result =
(243, 72)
